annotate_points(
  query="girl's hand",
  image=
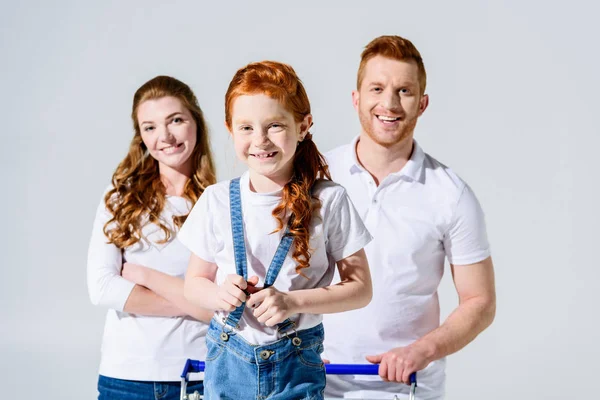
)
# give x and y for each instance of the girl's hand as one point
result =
(272, 306)
(134, 273)
(231, 293)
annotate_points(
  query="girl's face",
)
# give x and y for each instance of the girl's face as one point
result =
(169, 132)
(265, 137)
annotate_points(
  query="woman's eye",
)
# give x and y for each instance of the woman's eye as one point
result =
(148, 128)
(177, 120)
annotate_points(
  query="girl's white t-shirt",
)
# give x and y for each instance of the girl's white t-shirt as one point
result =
(336, 232)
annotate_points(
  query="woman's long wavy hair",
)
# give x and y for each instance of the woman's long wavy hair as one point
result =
(280, 82)
(138, 195)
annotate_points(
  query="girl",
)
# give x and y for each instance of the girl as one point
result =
(266, 339)
(136, 263)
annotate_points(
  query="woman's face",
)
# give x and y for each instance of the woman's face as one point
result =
(169, 132)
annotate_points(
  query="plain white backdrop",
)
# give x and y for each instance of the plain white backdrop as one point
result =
(514, 106)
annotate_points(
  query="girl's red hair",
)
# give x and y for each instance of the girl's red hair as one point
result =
(280, 82)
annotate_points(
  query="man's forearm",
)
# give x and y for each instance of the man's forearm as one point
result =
(463, 325)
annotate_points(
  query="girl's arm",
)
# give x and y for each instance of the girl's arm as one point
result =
(354, 291)
(201, 290)
(167, 287)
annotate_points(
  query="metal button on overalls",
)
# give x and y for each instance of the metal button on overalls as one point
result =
(265, 354)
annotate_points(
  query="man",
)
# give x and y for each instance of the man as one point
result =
(419, 212)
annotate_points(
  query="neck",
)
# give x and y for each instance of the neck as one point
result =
(379, 160)
(174, 179)
(265, 184)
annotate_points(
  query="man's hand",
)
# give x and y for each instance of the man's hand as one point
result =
(272, 306)
(397, 364)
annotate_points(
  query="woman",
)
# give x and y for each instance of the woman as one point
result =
(136, 264)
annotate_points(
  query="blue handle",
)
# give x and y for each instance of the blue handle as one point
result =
(332, 369)
(192, 366)
(352, 369)
(359, 369)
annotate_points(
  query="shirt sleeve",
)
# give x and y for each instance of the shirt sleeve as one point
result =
(106, 286)
(465, 241)
(197, 232)
(346, 232)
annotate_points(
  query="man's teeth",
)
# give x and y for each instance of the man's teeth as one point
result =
(384, 118)
(265, 155)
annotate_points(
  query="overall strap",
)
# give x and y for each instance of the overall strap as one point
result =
(239, 246)
(275, 267)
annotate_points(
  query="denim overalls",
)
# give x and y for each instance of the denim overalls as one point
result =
(289, 368)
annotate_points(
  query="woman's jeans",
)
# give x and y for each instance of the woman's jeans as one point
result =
(120, 389)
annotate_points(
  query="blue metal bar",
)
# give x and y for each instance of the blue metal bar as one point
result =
(359, 369)
(333, 369)
(352, 369)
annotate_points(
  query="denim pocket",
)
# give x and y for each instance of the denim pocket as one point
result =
(311, 356)
(214, 349)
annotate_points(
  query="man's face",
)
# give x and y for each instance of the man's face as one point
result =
(389, 100)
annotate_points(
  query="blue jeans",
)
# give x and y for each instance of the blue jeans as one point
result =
(120, 389)
(238, 370)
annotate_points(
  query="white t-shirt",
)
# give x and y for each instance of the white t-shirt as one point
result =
(418, 217)
(336, 233)
(138, 347)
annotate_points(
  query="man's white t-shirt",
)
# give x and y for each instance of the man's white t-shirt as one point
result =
(418, 217)
(336, 232)
(140, 347)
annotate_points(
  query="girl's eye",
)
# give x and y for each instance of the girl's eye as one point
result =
(376, 89)
(148, 128)
(177, 120)
(276, 127)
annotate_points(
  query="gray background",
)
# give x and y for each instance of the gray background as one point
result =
(513, 89)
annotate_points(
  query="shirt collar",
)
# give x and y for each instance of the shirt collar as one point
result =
(412, 169)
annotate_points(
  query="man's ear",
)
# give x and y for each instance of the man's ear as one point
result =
(355, 99)
(423, 103)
